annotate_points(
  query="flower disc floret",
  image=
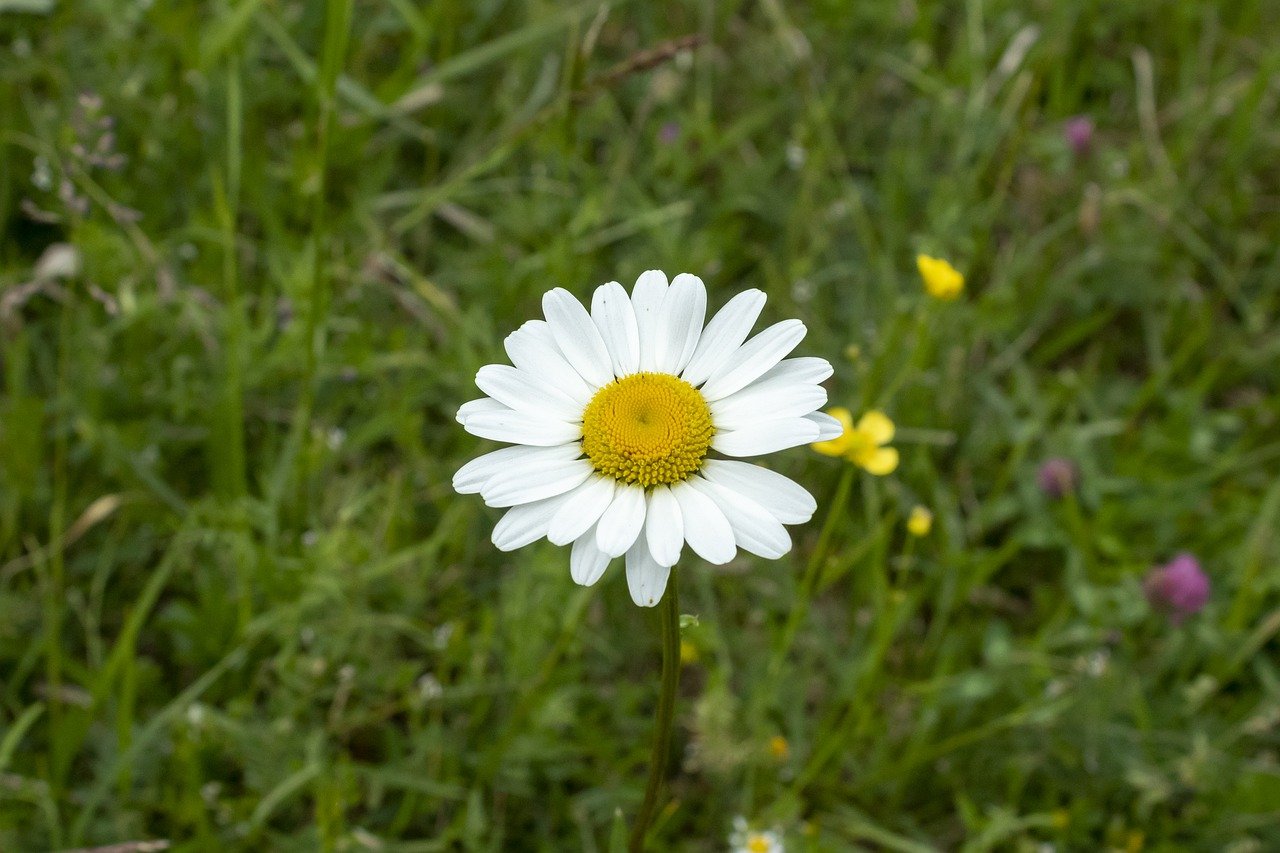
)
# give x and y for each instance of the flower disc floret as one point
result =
(647, 429)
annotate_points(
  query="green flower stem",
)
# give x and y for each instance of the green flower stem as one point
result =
(669, 613)
(808, 585)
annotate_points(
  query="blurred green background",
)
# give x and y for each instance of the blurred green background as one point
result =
(252, 253)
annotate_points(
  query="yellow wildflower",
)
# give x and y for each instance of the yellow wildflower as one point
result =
(688, 653)
(863, 444)
(920, 522)
(837, 446)
(942, 280)
(779, 748)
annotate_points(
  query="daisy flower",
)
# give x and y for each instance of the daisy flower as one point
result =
(743, 839)
(618, 418)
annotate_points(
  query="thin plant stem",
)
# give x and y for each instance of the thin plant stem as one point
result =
(809, 584)
(669, 614)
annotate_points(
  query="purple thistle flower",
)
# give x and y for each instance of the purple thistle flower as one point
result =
(1180, 588)
(1057, 477)
(1078, 132)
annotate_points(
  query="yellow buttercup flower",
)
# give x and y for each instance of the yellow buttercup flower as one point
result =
(688, 653)
(838, 445)
(863, 443)
(920, 522)
(941, 280)
(779, 748)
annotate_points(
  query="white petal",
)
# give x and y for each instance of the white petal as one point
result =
(587, 562)
(753, 527)
(828, 427)
(705, 528)
(724, 334)
(806, 370)
(766, 437)
(621, 523)
(532, 348)
(782, 497)
(646, 300)
(577, 337)
(683, 310)
(582, 510)
(664, 526)
(522, 428)
(749, 361)
(526, 392)
(646, 579)
(525, 524)
(471, 477)
(614, 317)
(767, 400)
(484, 404)
(522, 484)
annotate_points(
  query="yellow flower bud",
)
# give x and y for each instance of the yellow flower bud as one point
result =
(920, 522)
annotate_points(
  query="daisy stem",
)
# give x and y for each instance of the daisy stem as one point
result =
(669, 614)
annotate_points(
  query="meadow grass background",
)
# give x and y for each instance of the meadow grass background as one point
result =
(242, 609)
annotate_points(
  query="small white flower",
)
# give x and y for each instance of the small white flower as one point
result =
(743, 839)
(429, 688)
(614, 415)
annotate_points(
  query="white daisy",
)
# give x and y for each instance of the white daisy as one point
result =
(743, 839)
(615, 417)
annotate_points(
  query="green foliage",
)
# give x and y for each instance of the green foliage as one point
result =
(242, 609)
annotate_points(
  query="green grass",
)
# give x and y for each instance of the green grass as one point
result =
(242, 609)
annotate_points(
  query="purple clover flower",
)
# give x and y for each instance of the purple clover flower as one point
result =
(1078, 132)
(1180, 588)
(1057, 477)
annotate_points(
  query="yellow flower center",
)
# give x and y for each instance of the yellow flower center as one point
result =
(758, 843)
(646, 429)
